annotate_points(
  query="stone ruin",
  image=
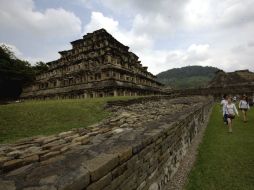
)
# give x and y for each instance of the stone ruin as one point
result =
(231, 79)
(97, 66)
(138, 147)
(232, 83)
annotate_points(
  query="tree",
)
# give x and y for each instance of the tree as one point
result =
(6, 52)
(14, 74)
(40, 67)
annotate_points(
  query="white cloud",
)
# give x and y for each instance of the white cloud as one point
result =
(164, 33)
(155, 18)
(129, 38)
(21, 15)
(142, 42)
(37, 33)
(161, 60)
(198, 13)
(197, 53)
(13, 49)
(151, 25)
(237, 13)
(18, 54)
(98, 21)
(251, 43)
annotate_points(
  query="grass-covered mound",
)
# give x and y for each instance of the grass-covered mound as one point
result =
(225, 161)
(32, 118)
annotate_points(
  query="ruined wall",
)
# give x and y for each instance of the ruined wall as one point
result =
(138, 147)
(218, 92)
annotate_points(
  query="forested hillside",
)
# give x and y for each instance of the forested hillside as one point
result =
(187, 77)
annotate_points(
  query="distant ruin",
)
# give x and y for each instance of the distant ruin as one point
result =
(233, 83)
(96, 66)
(240, 77)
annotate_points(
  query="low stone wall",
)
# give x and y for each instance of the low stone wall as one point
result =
(139, 147)
(141, 100)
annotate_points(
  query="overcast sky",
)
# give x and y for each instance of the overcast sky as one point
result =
(164, 34)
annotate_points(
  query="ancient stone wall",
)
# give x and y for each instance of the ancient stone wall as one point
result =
(218, 92)
(138, 147)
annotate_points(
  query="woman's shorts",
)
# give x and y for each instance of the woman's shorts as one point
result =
(243, 109)
(230, 116)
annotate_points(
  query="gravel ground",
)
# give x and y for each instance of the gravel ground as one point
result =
(180, 178)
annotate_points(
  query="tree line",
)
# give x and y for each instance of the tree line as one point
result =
(16, 73)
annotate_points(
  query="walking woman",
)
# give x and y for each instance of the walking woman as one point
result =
(231, 111)
(223, 103)
(244, 106)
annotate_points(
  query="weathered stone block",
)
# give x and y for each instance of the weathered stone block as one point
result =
(3, 159)
(76, 180)
(142, 185)
(50, 139)
(65, 134)
(52, 160)
(31, 159)
(49, 155)
(123, 152)
(119, 170)
(14, 154)
(48, 180)
(70, 138)
(7, 185)
(101, 183)
(101, 165)
(154, 186)
(45, 187)
(12, 164)
(81, 138)
(20, 170)
(53, 144)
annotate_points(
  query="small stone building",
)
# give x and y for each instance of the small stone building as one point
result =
(231, 79)
(97, 66)
(234, 83)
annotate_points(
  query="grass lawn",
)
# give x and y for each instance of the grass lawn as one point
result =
(225, 161)
(32, 118)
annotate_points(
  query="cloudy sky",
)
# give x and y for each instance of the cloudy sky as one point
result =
(165, 34)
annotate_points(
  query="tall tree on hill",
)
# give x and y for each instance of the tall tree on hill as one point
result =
(15, 73)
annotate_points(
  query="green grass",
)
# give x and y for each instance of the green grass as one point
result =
(32, 118)
(225, 161)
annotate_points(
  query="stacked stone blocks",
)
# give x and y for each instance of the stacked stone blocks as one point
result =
(145, 156)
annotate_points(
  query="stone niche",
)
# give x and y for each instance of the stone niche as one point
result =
(139, 147)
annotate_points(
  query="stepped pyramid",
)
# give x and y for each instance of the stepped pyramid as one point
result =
(97, 66)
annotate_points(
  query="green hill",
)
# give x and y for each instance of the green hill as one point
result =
(187, 77)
